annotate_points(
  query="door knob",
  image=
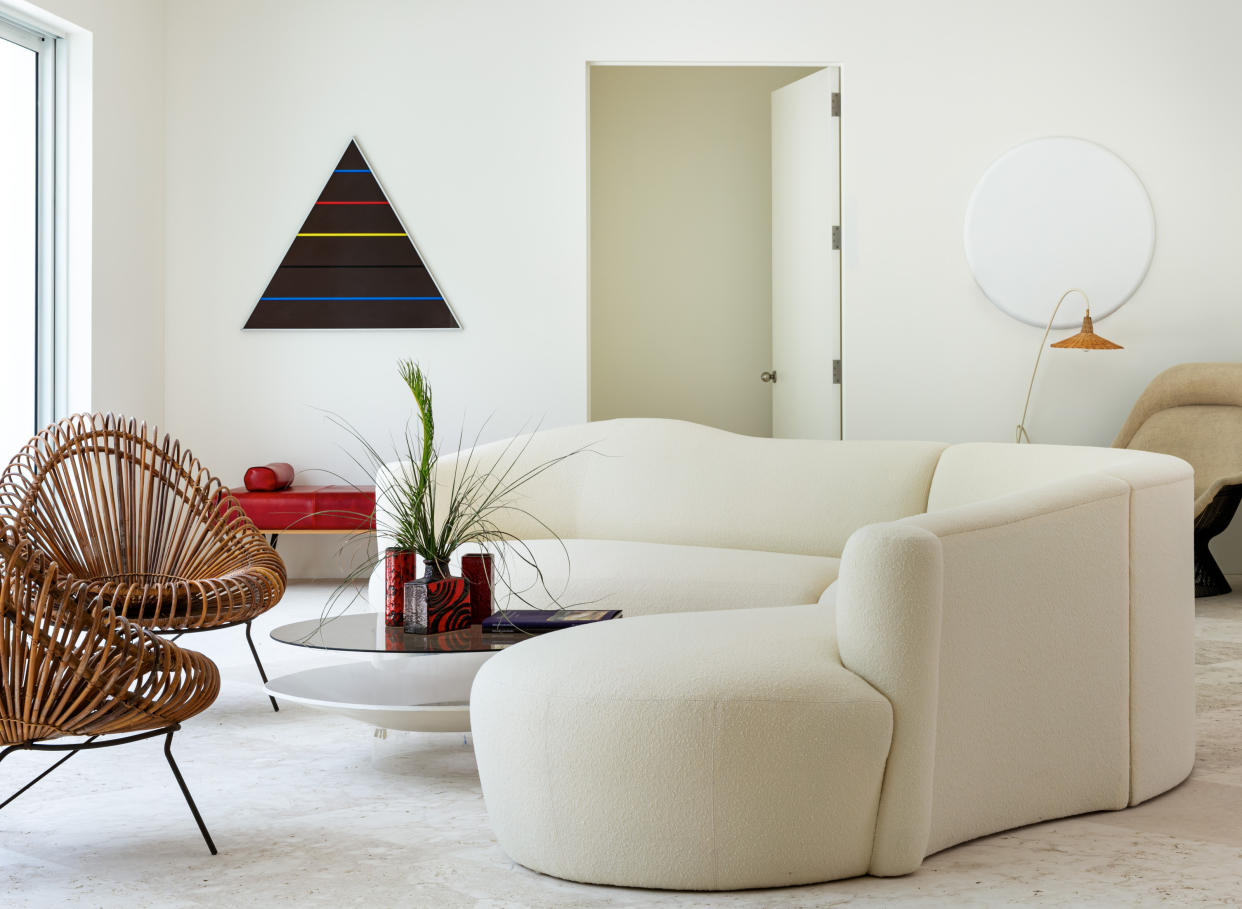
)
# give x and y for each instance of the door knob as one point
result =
(768, 376)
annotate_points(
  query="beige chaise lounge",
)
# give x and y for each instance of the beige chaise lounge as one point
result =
(1194, 411)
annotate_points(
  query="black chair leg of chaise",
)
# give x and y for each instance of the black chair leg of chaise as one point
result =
(1209, 579)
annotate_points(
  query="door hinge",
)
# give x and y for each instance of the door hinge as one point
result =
(836, 104)
(836, 372)
(836, 238)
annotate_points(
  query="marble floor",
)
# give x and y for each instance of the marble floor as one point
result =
(311, 809)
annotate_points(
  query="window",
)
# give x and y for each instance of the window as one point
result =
(28, 236)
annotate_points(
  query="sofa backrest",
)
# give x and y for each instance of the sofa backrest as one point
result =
(978, 471)
(668, 481)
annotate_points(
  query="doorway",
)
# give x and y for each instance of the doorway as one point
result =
(714, 193)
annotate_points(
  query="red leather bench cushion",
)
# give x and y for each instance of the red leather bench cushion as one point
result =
(310, 508)
(269, 477)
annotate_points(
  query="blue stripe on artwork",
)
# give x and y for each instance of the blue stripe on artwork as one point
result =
(352, 170)
(350, 298)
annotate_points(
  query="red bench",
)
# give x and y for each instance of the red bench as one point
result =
(309, 509)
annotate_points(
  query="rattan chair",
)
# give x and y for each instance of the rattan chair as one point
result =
(153, 534)
(70, 667)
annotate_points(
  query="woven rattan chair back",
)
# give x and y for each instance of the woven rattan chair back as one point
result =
(137, 517)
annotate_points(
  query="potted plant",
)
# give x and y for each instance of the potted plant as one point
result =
(429, 519)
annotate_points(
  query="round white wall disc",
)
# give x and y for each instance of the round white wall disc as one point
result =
(1054, 214)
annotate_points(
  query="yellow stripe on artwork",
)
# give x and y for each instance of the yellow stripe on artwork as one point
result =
(399, 234)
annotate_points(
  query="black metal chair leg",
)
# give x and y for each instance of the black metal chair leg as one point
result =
(189, 800)
(259, 663)
(10, 750)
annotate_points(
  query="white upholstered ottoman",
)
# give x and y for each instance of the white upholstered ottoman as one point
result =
(643, 776)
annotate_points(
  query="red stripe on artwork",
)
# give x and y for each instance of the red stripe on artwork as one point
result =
(351, 203)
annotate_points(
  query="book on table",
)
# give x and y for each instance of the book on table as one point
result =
(536, 621)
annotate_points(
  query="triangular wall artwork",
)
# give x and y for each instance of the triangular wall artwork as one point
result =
(353, 264)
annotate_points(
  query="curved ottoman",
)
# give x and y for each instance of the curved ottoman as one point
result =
(645, 775)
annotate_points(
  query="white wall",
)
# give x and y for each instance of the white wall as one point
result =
(126, 57)
(474, 114)
(681, 243)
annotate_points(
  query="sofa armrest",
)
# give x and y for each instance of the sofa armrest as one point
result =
(999, 631)
(888, 613)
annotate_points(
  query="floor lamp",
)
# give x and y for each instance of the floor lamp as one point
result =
(1086, 339)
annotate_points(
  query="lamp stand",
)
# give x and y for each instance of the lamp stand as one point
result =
(1021, 434)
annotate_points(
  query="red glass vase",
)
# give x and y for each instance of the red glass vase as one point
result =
(400, 567)
(477, 569)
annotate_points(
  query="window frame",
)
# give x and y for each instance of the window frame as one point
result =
(50, 338)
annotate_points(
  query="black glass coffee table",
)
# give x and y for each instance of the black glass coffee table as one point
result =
(365, 632)
(412, 682)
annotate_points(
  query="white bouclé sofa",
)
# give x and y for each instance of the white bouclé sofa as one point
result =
(1009, 639)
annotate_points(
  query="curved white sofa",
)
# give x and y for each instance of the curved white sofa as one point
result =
(1011, 641)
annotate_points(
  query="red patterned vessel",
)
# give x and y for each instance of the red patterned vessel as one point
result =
(437, 602)
(400, 567)
(448, 605)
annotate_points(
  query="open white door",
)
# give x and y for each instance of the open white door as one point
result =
(806, 269)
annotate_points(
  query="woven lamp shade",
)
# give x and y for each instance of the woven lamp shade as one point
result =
(1087, 339)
